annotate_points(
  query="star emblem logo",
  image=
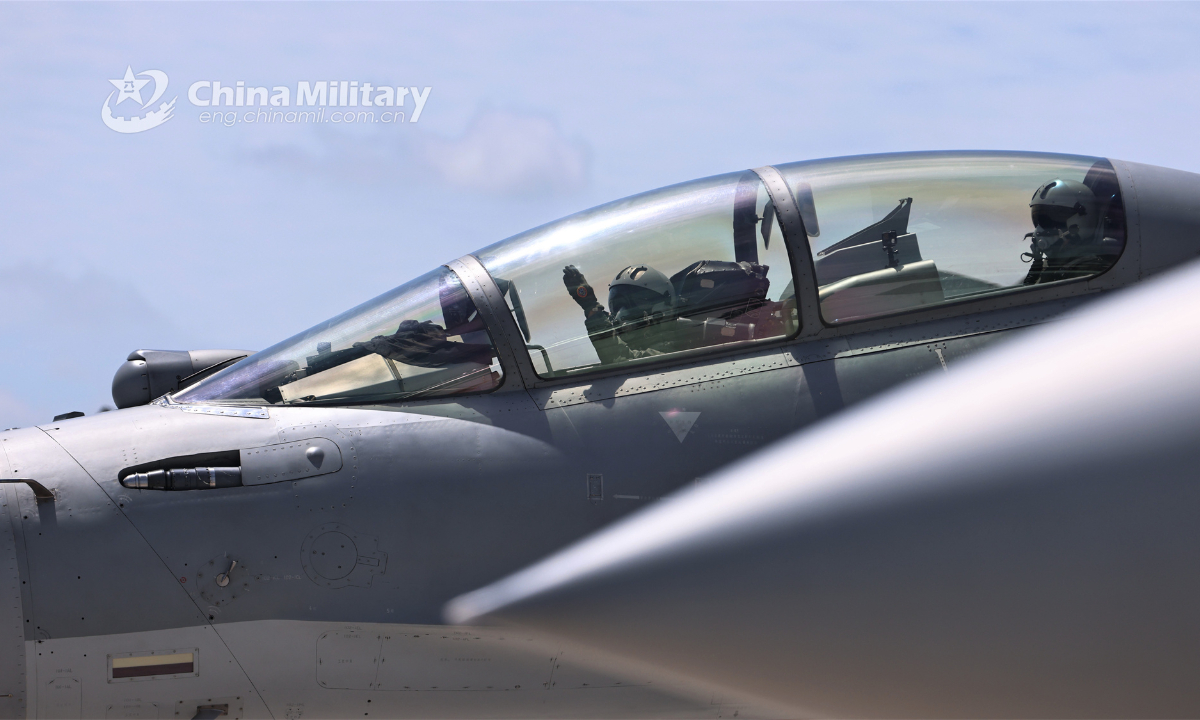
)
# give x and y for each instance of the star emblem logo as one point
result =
(129, 86)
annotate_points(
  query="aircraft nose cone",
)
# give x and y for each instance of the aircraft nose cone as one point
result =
(315, 455)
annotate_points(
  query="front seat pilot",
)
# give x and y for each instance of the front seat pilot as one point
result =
(1068, 240)
(641, 299)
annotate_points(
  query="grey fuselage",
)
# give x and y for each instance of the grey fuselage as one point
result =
(333, 608)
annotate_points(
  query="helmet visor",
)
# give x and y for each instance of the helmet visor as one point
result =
(628, 302)
(1052, 217)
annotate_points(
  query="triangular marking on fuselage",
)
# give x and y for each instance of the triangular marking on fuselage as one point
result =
(680, 422)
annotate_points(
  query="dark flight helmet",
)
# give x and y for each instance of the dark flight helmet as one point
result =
(639, 291)
(1065, 209)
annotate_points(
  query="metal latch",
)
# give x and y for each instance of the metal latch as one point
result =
(223, 578)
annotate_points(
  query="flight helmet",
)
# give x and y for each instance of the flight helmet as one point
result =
(639, 292)
(1066, 214)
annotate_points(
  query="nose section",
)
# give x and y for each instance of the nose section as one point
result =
(88, 571)
(36, 468)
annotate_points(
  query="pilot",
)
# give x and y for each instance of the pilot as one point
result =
(1068, 240)
(641, 300)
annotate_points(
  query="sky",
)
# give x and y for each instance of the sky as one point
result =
(198, 235)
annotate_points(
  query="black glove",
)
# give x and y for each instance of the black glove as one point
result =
(582, 293)
(424, 344)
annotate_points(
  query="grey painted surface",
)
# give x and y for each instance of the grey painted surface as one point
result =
(12, 616)
(446, 496)
(86, 561)
(73, 678)
(1168, 206)
(417, 671)
(975, 545)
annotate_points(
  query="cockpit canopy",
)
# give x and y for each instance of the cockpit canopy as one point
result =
(707, 264)
(423, 339)
(689, 266)
(899, 232)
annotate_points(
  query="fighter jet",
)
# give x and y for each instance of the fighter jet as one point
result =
(276, 534)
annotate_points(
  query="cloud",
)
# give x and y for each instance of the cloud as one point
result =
(509, 154)
(501, 154)
(356, 156)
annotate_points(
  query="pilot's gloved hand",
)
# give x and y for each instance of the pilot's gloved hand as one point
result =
(581, 292)
(414, 343)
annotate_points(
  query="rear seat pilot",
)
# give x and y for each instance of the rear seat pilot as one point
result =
(1068, 239)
